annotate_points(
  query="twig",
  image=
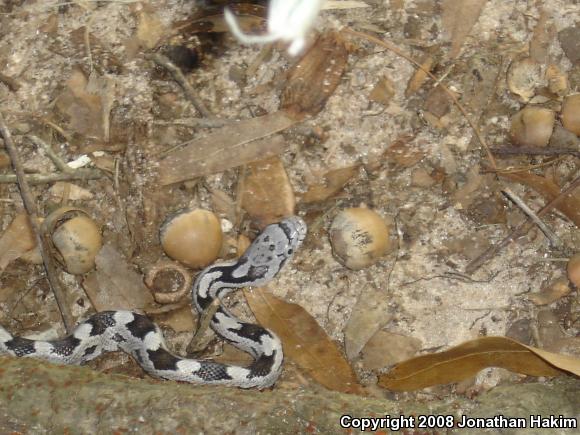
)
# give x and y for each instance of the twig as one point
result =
(532, 215)
(67, 173)
(30, 207)
(58, 162)
(204, 322)
(178, 76)
(519, 231)
(510, 151)
(32, 179)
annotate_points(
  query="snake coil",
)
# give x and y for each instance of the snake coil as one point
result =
(138, 336)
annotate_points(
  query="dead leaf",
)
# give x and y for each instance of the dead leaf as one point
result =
(267, 195)
(570, 205)
(179, 319)
(419, 76)
(235, 144)
(383, 92)
(84, 103)
(556, 290)
(251, 19)
(315, 77)
(69, 191)
(333, 182)
(471, 190)
(370, 313)
(305, 342)
(16, 240)
(467, 359)
(458, 18)
(222, 204)
(385, 348)
(402, 154)
(544, 34)
(115, 285)
(150, 29)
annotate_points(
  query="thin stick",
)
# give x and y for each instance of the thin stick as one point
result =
(519, 231)
(509, 151)
(532, 215)
(204, 321)
(178, 76)
(33, 179)
(58, 162)
(30, 207)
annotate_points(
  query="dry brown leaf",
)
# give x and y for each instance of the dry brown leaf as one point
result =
(115, 285)
(467, 359)
(333, 182)
(544, 34)
(459, 17)
(383, 92)
(235, 144)
(419, 76)
(556, 290)
(223, 204)
(267, 196)
(251, 19)
(16, 240)
(150, 29)
(370, 313)
(315, 77)
(305, 342)
(83, 109)
(69, 191)
(402, 154)
(570, 205)
(385, 348)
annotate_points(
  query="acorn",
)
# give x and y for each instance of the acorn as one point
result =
(75, 239)
(573, 270)
(359, 237)
(192, 237)
(571, 114)
(532, 127)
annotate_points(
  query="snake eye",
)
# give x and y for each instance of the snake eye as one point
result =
(290, 251)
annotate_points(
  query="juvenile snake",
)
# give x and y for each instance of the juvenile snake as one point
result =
(138, 336)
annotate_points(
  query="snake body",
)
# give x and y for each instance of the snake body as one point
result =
(138, 336)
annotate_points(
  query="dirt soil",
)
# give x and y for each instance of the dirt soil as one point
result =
(436, 190)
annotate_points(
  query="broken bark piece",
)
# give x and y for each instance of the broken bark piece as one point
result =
(228, 147)
(315, 77)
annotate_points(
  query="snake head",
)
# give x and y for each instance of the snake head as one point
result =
(271, 249)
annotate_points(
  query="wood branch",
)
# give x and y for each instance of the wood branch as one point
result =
(39, 397)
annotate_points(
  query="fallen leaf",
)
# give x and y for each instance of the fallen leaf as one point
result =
(63, 190)
(556, 290)
(251, 19)
(150, 29)
(458, 18)
(235, 144)
(402, 154)
(385, 348)
(315, 77)
(419, 76)
(16, 240)
(305, 342)
(467, 359)
(369, 314)
(383, 92)
(267, 195)
(332, 183)
(115, 285)
(570, 205)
